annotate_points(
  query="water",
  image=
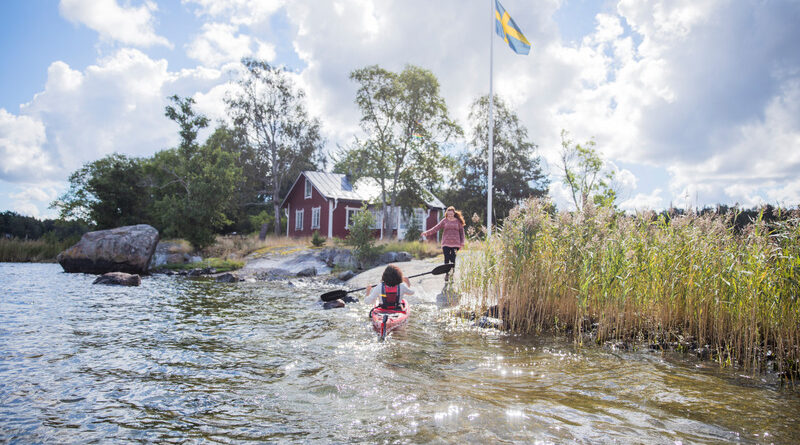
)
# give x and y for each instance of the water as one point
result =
(177, 360)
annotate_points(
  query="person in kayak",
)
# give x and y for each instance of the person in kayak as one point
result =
(394, 286)
(452, 227)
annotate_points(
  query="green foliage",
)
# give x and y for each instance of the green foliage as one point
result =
(584, 174)
(270, 113)
(29, 228)
(107, 193)
(407, 124)
(317, 240)
(361, 236)
(193, 184)
(517, 168)
(413, 233)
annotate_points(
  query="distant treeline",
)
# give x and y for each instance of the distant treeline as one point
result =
(14, 225)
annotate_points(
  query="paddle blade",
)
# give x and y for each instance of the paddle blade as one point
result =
(443, 268)
(333, 295)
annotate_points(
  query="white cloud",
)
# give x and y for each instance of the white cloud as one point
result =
(116, 105)
(21, 141)
(644, 201)
(128, 25)
(222, 43)
(238, 12)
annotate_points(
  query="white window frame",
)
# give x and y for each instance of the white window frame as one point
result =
(377, 214)
(347, 210)
(298, 219)
(307, 192)
(315, 214)
(420, 215)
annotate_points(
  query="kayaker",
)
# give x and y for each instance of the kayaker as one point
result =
(452, 227)
(394, 286)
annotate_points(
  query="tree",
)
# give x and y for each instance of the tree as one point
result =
(193, 183)
(109, 192)
(584, 174)
(406, 123)
(517, 168)
(270, 112)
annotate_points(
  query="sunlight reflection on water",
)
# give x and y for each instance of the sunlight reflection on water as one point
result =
(183, 360)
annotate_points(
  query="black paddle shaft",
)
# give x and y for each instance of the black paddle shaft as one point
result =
(337, 294)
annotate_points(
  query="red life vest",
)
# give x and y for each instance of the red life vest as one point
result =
(390, 297)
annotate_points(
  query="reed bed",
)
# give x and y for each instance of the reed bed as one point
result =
(691, 281)
(31, 251)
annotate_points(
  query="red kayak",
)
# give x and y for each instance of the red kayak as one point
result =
(386, 320)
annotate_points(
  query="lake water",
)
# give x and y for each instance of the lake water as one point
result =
(178, 360)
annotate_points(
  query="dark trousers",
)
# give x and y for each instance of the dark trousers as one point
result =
(449, 254)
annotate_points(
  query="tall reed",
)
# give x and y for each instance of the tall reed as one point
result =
(26, 251)
(646, 278)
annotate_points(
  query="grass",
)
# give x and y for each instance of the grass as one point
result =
(417, 249)
(221, 265)
(692, 280)
(26, 251)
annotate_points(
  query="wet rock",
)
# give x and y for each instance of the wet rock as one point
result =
(333, 304)
(346, 275)
(489, 323)
(349, 299)
(308, 272)
(119, 279)
(703, 352)
(228, 278)
(123, 249)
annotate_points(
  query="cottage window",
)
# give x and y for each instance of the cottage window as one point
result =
(308, 189)
(315, 217)
(351, 212)
(419, 214)
(298, 219)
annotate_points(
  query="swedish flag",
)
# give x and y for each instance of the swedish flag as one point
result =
(509, 31)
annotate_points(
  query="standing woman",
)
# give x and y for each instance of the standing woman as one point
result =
(452, 227)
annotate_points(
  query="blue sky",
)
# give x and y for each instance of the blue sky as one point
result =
(691, 102)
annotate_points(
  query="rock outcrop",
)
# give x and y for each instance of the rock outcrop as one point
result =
(119, 278)
(123, 249)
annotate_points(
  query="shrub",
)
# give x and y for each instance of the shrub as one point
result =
(317, 240)
(361, 236)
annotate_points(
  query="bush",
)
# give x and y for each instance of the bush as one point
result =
(317, 240)
(413, 233)
(361, 236)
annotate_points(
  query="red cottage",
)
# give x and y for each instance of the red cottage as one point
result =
(327, 201)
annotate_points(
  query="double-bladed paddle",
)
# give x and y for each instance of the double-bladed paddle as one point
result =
(337, 294)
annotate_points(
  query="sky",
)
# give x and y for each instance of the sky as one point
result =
(691, 102)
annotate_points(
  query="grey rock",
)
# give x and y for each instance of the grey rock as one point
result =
(308, 272)
(123, 249)
(345, 259)
(403, 257)
(346, 275)
(387, 257)
(119, 278)
(227, 278)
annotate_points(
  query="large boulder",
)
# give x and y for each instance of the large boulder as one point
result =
(124, 249)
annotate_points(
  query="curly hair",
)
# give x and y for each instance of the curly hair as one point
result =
(392, 276)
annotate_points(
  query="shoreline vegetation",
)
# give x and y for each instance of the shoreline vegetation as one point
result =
(228, 252)
(691, 282)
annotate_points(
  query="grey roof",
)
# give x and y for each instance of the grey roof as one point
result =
(336, 185)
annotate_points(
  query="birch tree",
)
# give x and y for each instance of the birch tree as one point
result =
(271, 112)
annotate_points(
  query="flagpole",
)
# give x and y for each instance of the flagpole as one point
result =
(491, 126)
